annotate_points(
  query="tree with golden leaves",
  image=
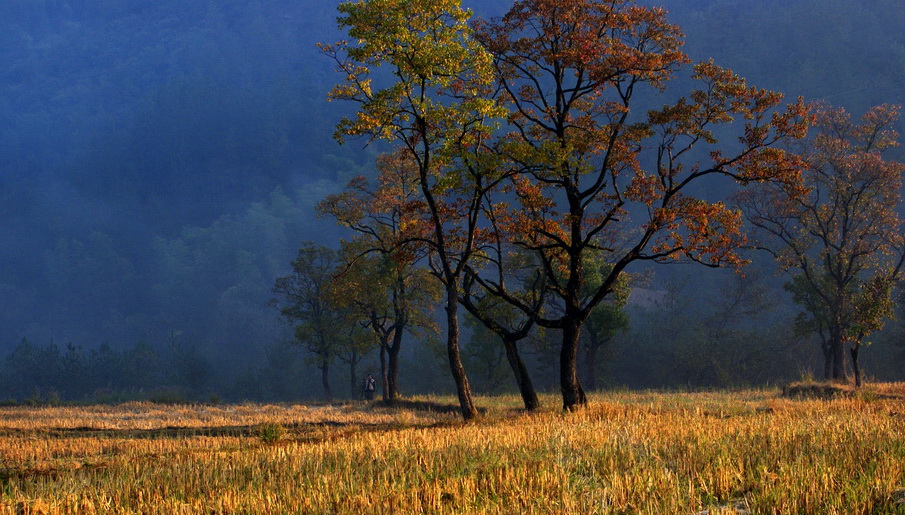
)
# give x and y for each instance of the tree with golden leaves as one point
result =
(438, 110)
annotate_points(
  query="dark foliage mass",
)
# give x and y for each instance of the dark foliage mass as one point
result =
(160, 162)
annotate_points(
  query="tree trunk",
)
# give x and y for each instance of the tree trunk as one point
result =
(827, 362)
(400, 321)
(325, 379)
(573, 396)
(857, 369)
(392, 378)
(525, 386)
(383, 372)
(838, 346)
(463, 389)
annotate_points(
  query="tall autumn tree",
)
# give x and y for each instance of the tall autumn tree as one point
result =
(435, 107)
(380, 276)
(602, 179)
(842, 240)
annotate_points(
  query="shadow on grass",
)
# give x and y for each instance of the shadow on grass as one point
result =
(239, 431)
(300, 431)
(429, 406)
(295, 431)
(830, 390)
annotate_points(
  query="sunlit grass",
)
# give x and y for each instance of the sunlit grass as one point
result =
(644, 452)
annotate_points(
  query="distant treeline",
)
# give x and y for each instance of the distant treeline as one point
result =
(47, 373)
(669, 345)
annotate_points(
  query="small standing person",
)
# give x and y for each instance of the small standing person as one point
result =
(370, 387)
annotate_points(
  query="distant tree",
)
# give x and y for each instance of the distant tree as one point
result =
(733, 344)
(185, 365)
(436, 107)
(34, 367)
(388, 299)
(484, 357)
(605, 321)
(305, 300)
(355, 344)
(599, 179)
(841, 237)
(736, 337)
(379, 277)
(141, 366)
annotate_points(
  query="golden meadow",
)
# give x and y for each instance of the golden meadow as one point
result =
(628, 452)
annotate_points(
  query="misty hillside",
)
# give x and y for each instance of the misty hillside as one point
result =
(159, 160)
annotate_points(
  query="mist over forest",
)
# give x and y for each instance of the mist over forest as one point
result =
(160, 162)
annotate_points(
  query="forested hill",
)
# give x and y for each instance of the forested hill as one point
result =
(159, 158)
(136, 137)
(179, 108)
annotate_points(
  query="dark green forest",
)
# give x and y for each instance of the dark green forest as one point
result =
(160, 162)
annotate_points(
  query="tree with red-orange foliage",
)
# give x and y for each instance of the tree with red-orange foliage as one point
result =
(380, 275)
(841, 237)
(597, 177)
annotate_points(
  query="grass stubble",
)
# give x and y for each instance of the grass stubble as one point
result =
(628, 452)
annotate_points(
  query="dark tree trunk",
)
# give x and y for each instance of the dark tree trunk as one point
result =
(392, 378)
(855, 367)
(400, 321)
(525, 386)
(463, 389)
(383, 372)
(573, 396)
(827, 362)
(325, 379)
(839, 374)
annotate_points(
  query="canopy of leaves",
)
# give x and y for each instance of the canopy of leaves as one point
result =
(841, 236)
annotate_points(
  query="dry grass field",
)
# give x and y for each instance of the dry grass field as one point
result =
(629, 452)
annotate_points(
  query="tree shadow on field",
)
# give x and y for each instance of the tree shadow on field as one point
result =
(296, 431)
(429, 406)
(169, 432)
(829, 390)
